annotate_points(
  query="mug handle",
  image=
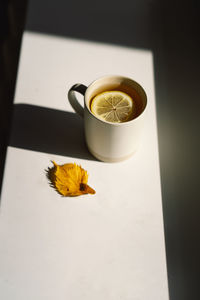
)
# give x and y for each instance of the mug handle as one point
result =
(80, 88)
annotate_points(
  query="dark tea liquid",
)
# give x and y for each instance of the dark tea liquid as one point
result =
(138, 104)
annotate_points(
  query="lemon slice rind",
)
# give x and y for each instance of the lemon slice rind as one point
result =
(113, 106)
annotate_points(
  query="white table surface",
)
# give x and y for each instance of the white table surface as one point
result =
(105, 246)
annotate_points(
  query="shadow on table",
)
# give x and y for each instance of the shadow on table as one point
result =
(48, 130)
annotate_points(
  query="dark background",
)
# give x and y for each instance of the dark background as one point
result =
(12, 20)
(170, 29)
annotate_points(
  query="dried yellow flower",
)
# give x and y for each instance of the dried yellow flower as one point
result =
(69, 179)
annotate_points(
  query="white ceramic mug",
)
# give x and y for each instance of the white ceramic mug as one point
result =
(110, 142)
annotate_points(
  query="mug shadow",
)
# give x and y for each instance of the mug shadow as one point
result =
(48, 130)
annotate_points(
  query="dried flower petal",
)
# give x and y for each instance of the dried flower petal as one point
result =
(69, 179)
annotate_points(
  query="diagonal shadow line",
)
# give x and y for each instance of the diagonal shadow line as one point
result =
(48, 130)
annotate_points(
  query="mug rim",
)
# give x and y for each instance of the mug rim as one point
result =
(117, 123)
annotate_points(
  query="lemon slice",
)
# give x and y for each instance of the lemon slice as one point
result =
(113, 106)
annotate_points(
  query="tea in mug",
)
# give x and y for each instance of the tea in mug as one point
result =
(115, 106)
